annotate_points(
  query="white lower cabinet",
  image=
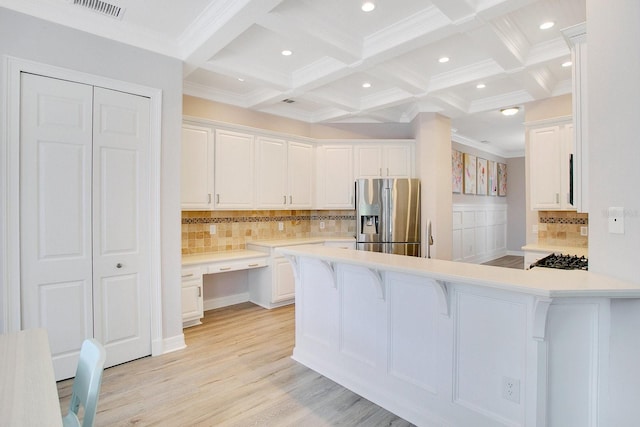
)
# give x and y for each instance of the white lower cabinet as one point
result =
(192, 298)
(274, 285)
(284, 283)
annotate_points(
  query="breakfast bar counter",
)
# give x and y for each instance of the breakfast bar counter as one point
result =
(443, 343)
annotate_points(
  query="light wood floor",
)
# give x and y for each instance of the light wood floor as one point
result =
(235, 371)
(508, 261)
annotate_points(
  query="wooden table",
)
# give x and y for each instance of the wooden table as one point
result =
(28, 393)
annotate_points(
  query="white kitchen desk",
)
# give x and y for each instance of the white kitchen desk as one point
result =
(28, 393)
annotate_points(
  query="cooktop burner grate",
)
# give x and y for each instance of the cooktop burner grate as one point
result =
(564, 262)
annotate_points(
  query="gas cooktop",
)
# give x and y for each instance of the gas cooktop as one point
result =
(564, 262)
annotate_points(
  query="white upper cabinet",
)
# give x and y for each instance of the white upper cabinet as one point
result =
(234, 170)
(334, 180)
(271, 173)
(284, 174)
(550, 151)
(577, 38)
(384, 160)
(197, 168)
(300, 166)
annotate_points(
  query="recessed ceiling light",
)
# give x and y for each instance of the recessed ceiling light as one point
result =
(480, 86)
(510, 111)
(240, 79)
(547, 25)
(368, 6)
(286, 52)
(567, 64)
(443, 59)
(366, 85)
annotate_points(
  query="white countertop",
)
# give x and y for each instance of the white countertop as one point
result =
(221, 256)
(564, 250)
(225, 256)
(276, 243)
(544, 282)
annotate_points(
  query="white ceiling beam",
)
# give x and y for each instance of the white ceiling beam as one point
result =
(402, 77)
(469, 74)
(221, 23)
(335, 45)
(250, 71)
(506, 48)
(455, 10)
(517, 97)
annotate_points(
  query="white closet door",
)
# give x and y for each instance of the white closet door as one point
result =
(55, 214)
(84, 200)
(121, 196)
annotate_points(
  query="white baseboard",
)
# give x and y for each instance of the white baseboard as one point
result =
(211, 304)
(167, 345)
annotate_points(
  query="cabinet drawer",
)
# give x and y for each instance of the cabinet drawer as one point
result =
(191, 273)
(245, 264)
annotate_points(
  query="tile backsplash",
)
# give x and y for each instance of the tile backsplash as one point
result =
(233, 229)
(562, 228)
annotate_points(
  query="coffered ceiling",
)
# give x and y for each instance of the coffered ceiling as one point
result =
(232, 53)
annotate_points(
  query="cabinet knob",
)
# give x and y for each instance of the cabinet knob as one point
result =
(119, 265)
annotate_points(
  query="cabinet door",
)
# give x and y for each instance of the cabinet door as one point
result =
(300, 177)
(569, 150)
(234, 170)
(397, 161)
(271, 173)
(197, 168)
(545, 151)
(368, 161)
(192, 307)
(283, 281)
(335, 182)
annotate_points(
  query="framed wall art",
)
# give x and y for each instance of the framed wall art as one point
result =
(469, 174)
(502, 179)
(482, 176)
(493, 178)
(456, 171)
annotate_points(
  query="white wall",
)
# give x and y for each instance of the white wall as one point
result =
(517, 206)
(32, 39)
(613, 67)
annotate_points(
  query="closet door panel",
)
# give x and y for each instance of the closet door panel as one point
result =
(121, 235)
(55, 214)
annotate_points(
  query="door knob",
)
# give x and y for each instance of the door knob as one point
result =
(118, 265)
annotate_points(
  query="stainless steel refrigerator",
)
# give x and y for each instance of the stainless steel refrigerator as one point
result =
(388, 215)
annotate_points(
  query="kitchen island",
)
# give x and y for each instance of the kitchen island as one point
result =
(452, 344)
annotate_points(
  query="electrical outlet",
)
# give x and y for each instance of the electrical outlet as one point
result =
(584, 231)
(321, 225)
(212, 229)
(281, 226)
(511, 389)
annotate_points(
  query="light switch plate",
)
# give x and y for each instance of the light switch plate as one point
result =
(616, 220)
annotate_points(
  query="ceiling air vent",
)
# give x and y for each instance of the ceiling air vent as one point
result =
(101, 7)
(288, 101)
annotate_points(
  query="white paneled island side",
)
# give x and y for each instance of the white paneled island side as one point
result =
(441, 343)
